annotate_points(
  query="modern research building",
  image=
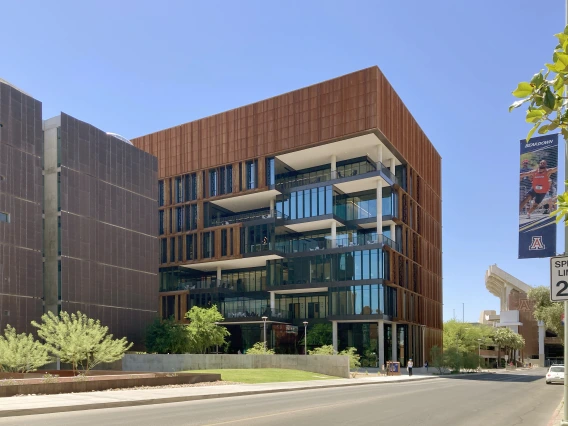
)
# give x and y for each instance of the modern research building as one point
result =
(322, 205)
(78, 223)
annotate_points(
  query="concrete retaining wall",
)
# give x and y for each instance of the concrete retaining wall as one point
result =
(331, 365)
(100, 383)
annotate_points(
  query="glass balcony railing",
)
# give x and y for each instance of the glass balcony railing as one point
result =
(255, 314)
(244, 217)
(341, 172)
(323, 243)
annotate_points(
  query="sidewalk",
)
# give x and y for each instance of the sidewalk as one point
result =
(43, 404)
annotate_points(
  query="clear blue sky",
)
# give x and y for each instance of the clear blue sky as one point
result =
(134, 67)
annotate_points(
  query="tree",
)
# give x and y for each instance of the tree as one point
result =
(466, 337)
(320, 334)
(354, 358)
(547, 100)
(508, 340)
(20, 353)
(203, 329)
(167, 337)
(259, 349)
(79, 340)
(437, 359)
(546, 311)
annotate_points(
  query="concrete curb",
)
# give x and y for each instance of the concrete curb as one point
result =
(556, 418)
(166, 400)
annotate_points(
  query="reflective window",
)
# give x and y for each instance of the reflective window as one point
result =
(4, 217)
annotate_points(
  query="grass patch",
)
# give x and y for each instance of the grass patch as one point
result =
(264, 375)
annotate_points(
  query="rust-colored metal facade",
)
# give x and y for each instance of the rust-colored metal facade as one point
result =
(355, 104)
(108, 193)
(21, 202)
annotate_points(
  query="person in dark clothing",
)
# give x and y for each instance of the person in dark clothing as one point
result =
(410, 365)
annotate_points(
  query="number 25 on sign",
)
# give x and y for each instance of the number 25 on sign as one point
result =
(559, 279)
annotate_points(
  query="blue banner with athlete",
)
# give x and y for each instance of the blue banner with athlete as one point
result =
(537, 197)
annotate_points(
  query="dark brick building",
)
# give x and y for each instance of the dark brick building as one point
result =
(101, 227)
(20, 208)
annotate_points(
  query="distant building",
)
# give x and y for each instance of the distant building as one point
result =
(21, 288)
(78, 225)
(516, 313)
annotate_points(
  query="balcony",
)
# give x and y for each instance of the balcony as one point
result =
(343, 172)
(255, 314)
(325, 243)
(245, 217)
(204, 283)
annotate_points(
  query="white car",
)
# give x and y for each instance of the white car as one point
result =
(555, 374)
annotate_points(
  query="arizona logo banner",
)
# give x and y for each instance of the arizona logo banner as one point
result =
(537, 197)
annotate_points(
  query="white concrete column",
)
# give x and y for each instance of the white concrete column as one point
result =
(272, 213)
(541, 335)
(379, 207)
(334, 332)
(393, 231)
(218, 275)
(380, 152)
(272, 300)
(381, 337)
(333, 166)
(394, 342)
(507, 295)
(333, 234)
(392, 165)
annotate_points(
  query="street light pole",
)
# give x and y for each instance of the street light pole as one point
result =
(306, 335)
(478, 353)
(264, 320)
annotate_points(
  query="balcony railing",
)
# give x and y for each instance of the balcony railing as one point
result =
(255, 314)
(204, 283)
(244, 217)
(328, 175)
(322, 243)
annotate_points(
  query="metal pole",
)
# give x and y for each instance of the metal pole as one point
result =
(305, 337)
(478, 354)
(565, 416)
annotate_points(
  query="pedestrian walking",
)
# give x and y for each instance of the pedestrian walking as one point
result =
(410, 365)
(426, 365)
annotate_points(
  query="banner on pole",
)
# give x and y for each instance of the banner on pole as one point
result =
(537, 197)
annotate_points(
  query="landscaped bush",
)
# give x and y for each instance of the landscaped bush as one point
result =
(354, 358)
(259, 349)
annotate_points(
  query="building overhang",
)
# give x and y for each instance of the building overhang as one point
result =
(303, 225)
(245, 202)
(345, 149)
(243, 263)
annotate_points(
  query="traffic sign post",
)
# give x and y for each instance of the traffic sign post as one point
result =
(559, 293)
(559, 279)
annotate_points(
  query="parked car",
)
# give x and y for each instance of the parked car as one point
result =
(555, 374)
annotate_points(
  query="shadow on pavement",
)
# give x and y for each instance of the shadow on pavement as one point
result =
(497, 377)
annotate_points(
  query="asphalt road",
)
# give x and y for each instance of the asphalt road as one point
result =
(519, 398)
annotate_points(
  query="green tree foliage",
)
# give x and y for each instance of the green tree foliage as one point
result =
(546, 311)
(20, 353)
(204, 332)
(322, 350)
(507, 340)
(320, 334)
(79, 340)
(437, 359)
(167, 337)
(466, 337)
(546, 98)
(354, 358)
(259, 349)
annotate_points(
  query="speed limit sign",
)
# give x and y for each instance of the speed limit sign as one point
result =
(559, 279)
